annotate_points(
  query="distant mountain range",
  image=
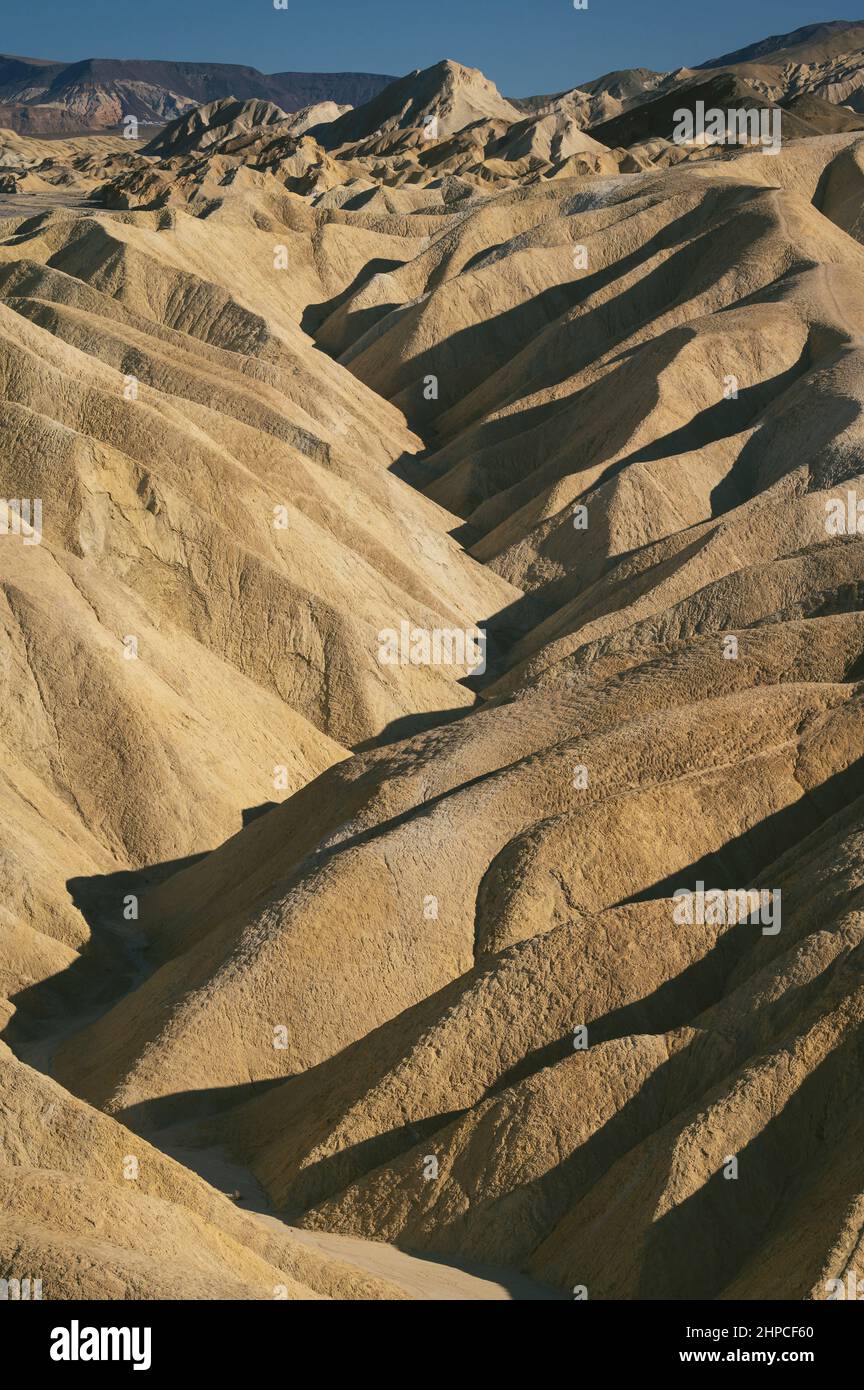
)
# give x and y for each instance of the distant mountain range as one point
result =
(37, 96)
(813, 43)
(42, 97)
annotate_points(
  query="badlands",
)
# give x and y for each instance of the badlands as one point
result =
(324, 976)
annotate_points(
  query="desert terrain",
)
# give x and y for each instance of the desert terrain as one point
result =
(327, 974)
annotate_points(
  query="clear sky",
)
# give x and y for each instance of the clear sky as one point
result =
(525, 46)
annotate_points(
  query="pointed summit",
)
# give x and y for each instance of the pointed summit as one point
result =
(451, 94)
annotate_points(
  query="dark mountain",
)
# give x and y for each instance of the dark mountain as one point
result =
(656, 118)
(811, 44)
(823, 115)
(38, 96)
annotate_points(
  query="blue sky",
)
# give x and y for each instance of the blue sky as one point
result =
(525, 46)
